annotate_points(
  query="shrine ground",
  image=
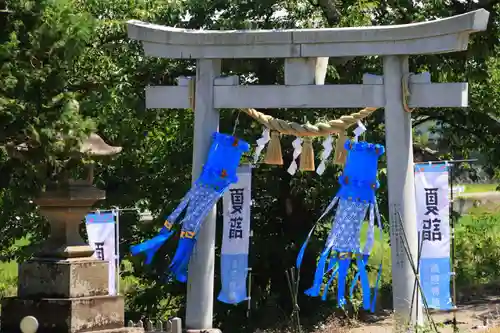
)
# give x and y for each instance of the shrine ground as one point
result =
(478, 311)
(471, 317)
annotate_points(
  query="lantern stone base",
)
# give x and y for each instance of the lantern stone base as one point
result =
(65, 296)
(67, 278)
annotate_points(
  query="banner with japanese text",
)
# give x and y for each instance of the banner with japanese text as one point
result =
(433, 223)
(236, 238)
(102, 238)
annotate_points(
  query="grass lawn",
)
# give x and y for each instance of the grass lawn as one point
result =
(8, 272)
(475, 188)
(8, 278)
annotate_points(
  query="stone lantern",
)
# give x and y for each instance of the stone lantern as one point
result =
(66, 204)
(63, 286)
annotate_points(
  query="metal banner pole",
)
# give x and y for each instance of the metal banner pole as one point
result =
(117, 249)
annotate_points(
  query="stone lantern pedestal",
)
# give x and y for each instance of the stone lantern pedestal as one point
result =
(63, 286)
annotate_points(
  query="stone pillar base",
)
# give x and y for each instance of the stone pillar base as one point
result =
(65, 296)
(62, 278)
(65, 315)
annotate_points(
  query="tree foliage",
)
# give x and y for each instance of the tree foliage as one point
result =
(68, 68)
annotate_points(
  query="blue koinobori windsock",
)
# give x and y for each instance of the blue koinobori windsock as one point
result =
(355, 198)
(218, 173)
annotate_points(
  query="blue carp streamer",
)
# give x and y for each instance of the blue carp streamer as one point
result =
(218, 173)
(355, 198)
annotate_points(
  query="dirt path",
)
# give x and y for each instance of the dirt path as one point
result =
(470, 318)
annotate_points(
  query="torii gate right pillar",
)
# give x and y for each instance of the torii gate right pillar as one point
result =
(401, 188)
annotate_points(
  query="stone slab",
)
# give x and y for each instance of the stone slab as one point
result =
(58, 315)
(67, 278)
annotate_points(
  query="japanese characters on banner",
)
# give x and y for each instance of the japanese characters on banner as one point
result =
(236, 238)
(102, 238)
(433, 222)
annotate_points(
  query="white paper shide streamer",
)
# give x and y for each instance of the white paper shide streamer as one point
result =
(261, 144)
(359, 130)
(327, 150)
(297, 150)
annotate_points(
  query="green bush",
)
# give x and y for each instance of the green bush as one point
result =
(478, 250)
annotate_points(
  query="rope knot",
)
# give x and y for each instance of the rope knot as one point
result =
(406, 91)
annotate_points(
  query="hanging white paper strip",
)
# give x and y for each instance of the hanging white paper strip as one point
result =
(327, 150)
(359, 130)
(297, 150)
(261, 144)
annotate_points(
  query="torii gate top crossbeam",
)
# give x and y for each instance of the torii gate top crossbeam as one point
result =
(438, 36)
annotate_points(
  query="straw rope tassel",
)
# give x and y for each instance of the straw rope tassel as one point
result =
(307, 155)
(340, 151)
(273, 153)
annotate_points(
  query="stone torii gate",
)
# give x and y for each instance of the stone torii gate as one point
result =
(306, 53)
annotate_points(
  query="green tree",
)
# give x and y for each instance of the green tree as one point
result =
(40, 43)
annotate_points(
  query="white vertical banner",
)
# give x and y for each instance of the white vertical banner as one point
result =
(236, 238)
(433, 224)
(102, 238)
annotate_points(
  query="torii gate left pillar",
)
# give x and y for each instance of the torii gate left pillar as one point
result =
(300, 48)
